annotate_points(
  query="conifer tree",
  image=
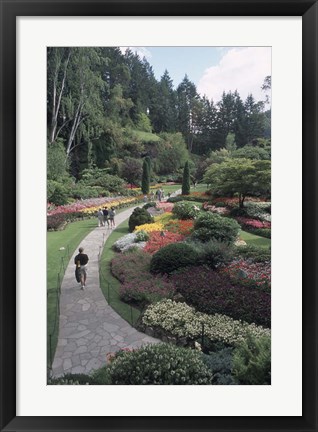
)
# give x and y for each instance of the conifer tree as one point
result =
(186, 180)
(145, 182)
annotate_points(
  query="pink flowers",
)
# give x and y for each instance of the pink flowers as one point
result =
(166, 206)
(253, 223)
(243, 271)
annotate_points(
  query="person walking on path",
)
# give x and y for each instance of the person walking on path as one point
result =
(100, 216)
(112, 214)
(106, 214)
(81, 261)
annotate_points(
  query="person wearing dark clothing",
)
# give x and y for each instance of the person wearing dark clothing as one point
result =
(81, 261)
(106, 214)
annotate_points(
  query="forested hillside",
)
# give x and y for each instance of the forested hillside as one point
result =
(106, 112)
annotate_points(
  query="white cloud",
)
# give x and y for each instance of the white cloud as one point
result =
(241, 69)
(141, 51)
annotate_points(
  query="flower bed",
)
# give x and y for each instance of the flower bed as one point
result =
(211, 292)
(166, 206)
(246, 272)
(178, 226)
(138, 284)
(157, 240)
(92, 205)
(183, 321)
(247, 223)
(149, 227)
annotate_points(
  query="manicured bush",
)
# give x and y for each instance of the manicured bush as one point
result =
(262, 232)
(254, 253)
(182, 321)
(186, 180)
(252, 361)
(173, 257)
(211, 226)
(158, 364)
(175, 199)
(149, 204)
(212, 292)
(139, 216)
(220, 364)
(185, 210)
(212, 253)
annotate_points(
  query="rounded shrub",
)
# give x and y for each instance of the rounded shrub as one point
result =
(173, 257)
(213, 253)
(211, 226)
(139, 216)
(159, 364)
(185, 210)
(149, 204)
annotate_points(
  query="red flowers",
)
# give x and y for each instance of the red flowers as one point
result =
(183, 227)
(157, 240)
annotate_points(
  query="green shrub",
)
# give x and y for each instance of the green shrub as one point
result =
(212, 253)
(141, 236)
(238, 211)
(185, 210)
(149, 204)
(220, 364)
(256, 254)
(175, 199)
(252, 361)
(139, 216)
(83, 192)
(172, 257)
(220, 204)
(211, 226)
(159, 364)
(57, 193)
(262, 232)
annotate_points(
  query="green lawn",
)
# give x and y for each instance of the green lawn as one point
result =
(109, 284)
(254, 240)
(199, 188)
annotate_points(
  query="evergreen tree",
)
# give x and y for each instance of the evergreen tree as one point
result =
(145, 181)
(186, 180)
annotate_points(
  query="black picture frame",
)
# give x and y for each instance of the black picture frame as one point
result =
(9, 11)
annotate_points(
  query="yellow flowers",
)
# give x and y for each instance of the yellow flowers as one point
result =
(164, 218)
(157, 226)
(110, 203)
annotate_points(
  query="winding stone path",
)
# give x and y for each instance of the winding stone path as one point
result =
(89, 328)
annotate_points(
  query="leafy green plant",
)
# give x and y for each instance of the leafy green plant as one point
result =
(141, 236)
(252, 361)
(212, 253)
(173, 257)
(159, 364)
(220, 364)
(185, 210)
(210, 226)
(256, 254)
(139, 216)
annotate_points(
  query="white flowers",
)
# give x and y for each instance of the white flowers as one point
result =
(182, 320)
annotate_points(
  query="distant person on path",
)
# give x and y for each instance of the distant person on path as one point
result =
(152, 196)
(112, 214)
(100, 216)
(81, 261)
(106, 214)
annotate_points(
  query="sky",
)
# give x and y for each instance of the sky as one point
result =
(212, 69)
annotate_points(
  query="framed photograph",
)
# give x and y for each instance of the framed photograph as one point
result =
(276, 41)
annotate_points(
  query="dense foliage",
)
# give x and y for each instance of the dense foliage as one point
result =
(173, 257)
(212, 292)
(139, 216)
(210, 226)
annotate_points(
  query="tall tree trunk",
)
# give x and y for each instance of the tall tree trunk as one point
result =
(57, 97)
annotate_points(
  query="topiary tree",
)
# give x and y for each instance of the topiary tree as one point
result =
(145, 180)
(173, 257)
(186, 180)
(139, 216)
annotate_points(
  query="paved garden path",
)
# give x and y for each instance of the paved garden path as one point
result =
(89, 328)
